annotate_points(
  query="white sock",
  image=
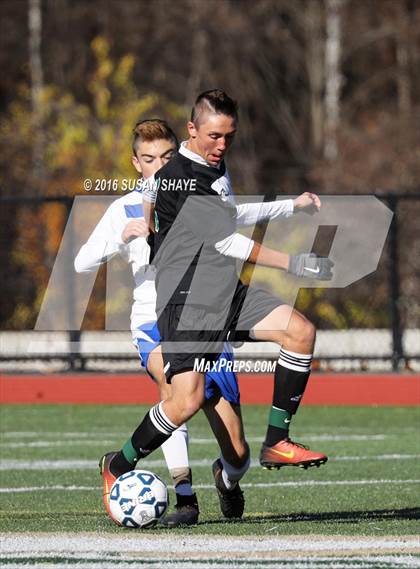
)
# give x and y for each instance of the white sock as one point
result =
(175, 449)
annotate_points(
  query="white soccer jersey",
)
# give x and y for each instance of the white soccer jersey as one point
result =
(105, 242)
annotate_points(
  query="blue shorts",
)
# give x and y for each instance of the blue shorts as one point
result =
(223, 381)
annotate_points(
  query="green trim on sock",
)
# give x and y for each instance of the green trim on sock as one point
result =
(130, 453)
(279, 418)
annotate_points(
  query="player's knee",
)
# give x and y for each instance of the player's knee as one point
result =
(302, 331)
(308, 332)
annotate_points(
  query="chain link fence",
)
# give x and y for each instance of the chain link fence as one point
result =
(376, 324)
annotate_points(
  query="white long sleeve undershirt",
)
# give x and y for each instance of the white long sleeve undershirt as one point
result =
(104, 242)
(239, 246)
(252, 213)
(235, 245)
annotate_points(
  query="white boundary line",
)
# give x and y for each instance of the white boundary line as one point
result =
(196, 442)
(66, 464)
(144, 543)
(193, 440)
(71, 488)
(238, 562)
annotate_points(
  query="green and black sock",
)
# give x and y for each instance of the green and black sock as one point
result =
(290, 379)
(152, 432)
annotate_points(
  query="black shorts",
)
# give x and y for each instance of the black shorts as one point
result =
(194, 334)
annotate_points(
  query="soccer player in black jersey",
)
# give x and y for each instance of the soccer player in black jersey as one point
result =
(200, 300)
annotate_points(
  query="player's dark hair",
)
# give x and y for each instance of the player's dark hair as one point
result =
(214, 101)
(148, 130)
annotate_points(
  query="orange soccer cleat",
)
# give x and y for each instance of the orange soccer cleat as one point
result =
(107, 477)
(288, 453)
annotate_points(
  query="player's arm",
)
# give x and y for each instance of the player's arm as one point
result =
(195, 215)
(149, 200)
(99, 247)
(306, 265)
(107, 239)
(149, 215)
(252, 213)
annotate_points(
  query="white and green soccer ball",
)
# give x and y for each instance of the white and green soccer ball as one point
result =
(138, 499)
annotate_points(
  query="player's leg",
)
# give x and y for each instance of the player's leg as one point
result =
(187, 397)
(187, 393)
(175, 451)
(176, 448)
(225, 420)
(224, 415)
(296, 337)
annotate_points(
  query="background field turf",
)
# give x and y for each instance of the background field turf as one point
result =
(368, 487)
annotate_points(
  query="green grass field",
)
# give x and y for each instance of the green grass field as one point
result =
(369, 487)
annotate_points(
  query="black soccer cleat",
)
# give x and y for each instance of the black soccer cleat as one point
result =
(186, 513)
(232, 502)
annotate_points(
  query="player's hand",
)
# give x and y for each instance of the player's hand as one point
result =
(307, 202)
(133, 229)
(309, 266)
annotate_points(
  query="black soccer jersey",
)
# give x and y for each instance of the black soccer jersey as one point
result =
(190, 218)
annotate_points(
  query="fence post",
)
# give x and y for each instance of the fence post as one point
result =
(394, 287)
(76, 362)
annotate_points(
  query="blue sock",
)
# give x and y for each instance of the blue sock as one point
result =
(184, 489)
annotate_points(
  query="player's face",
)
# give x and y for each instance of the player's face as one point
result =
(212, 137)
(151, 156)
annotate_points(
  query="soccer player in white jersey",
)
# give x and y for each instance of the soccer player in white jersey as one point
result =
(122, 230)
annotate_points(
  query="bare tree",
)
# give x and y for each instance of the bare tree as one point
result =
(403, 37)
(314, 26)
(36, 85)
(333, 78)
(199, 47)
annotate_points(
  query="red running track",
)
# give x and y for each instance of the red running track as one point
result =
(323, 389)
